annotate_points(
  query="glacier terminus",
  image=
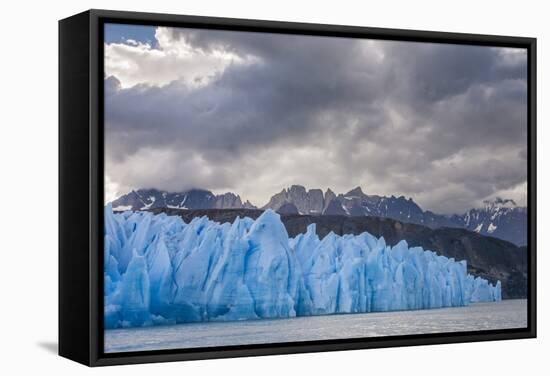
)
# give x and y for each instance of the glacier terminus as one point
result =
(160, 270)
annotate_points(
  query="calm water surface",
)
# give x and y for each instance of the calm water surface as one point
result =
(506, 314)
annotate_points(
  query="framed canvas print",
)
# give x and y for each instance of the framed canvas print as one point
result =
(236, 187)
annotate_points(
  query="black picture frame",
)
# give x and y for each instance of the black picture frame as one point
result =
(81, 175)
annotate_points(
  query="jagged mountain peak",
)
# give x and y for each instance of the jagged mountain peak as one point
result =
(248, 205)
(306, 201)
(499, 202)
(194, 198)
(500, 217)
(297, 188)
(355, 192)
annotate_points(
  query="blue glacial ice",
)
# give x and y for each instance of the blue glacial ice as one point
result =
(160, 270)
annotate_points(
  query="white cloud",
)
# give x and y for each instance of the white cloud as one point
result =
(112, 190)
(512, 56)
(517, 193)
(442, 124)
(172, 59)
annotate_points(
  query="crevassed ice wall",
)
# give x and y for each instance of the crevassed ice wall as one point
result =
(160, 270)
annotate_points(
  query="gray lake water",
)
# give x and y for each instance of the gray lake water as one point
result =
(506, 314)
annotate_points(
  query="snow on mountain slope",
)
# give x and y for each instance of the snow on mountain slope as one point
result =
(499, 218)
(160, 270)
(143, 199)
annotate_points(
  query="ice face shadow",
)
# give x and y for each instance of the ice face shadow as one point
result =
(50, 347)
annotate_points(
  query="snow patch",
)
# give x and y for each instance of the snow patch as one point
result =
(123, 208)
(345, 209)
(176, 207)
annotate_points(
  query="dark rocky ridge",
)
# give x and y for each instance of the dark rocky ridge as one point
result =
(498, 218)
(144, 199)
(487, 257)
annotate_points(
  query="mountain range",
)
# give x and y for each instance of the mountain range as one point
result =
(143, 199)
(487, 257)
(500, 218)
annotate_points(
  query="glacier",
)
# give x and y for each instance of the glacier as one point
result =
(160, 270)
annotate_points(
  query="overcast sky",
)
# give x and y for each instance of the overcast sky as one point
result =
(254, 113)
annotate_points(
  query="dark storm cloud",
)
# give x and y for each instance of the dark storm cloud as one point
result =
(444, 124)
(280, 97)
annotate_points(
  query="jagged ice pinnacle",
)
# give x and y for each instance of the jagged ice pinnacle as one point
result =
(160, 270)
